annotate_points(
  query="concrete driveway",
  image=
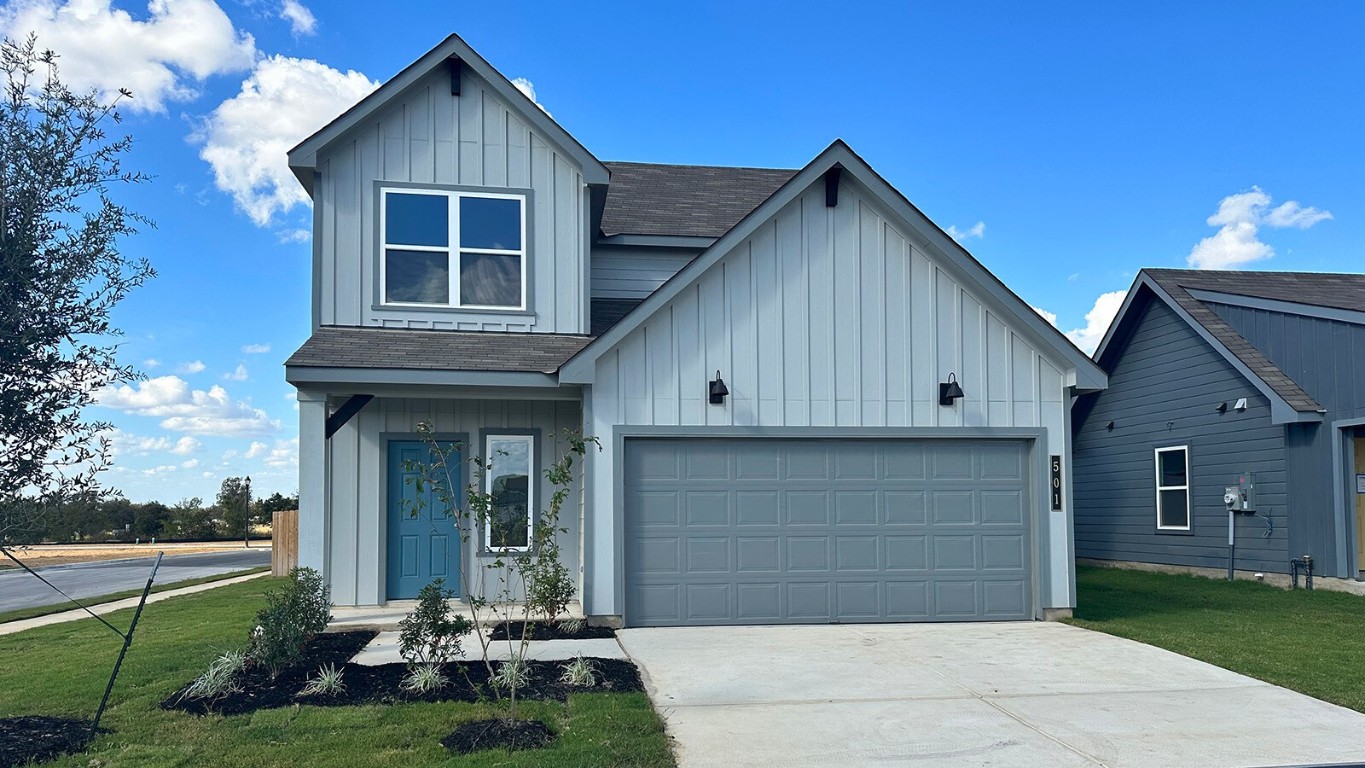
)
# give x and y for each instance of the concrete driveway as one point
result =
(1019, 694)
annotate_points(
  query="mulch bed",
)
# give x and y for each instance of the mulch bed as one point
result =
(468, 681)
(39, 739)
(492, 734)
(546, 630)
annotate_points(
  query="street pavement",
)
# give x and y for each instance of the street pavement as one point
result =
(19, 589)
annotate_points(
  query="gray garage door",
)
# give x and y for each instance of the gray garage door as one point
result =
(770, 531)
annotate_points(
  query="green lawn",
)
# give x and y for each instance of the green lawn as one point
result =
(61, 670)
(1311, 642)
(43, 610)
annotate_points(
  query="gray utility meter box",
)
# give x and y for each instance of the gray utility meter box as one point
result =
(1242, 496)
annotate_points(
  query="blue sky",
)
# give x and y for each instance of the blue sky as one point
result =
(1067, 145)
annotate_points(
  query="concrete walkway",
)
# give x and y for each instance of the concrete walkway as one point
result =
(10, 627)
(1020, 694)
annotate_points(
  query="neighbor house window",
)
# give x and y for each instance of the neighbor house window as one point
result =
(508, 482)
(1173, 488)
(452, 249)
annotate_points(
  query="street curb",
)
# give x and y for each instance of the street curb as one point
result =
(12, 627)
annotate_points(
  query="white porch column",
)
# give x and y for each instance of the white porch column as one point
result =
(313, 516)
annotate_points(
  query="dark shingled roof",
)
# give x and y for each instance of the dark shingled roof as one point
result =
(684, 200)
(608, 312)
(350, 347)
(1338, 291)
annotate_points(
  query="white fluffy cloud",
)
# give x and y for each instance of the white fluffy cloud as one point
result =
(160, 57)
(194, 366)
(185, 446)
(1097, 321)
(246, 139)
(529, 89)
(284, 455)
(192, 411)
(301, 20)
(238, 374)
(977, 230)
(1050, 317)
(256, 450)
(1239, 219)
(256, 349)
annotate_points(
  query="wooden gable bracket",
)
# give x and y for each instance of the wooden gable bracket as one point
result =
(346, 412)
(832, 185)
(455, 68)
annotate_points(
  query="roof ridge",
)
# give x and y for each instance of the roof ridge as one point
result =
(700, 165)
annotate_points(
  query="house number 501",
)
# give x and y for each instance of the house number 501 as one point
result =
(1055, 484)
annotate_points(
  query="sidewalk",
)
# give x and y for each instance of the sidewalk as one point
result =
(12, 627)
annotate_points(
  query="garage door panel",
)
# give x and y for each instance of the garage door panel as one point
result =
(758, 508)
(952, 507)
(1003, 508)
(706, 508)
(906, 507)
(809, 531)
(758, 554)
(808, 600)
(808, 508)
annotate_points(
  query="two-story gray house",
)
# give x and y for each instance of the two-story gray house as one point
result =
(1218, 380)
(813, 404)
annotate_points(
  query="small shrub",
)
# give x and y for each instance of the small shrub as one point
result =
(326, 682)
(573, 625)
(424, 678)
(292, 616)
(431, 633)
(579, 673)
(220, 679)
(512, 675)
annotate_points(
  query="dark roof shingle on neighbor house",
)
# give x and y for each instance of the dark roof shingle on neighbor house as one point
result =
(1337, 291)
(355, 347)
(684, 200)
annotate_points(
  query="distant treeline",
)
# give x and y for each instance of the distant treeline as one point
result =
(119, 520)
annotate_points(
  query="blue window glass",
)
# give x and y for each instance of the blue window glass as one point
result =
(417, 219)
(416, 277)
(490, 280)
(490, 222)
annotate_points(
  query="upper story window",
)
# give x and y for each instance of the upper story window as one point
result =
(1173, 488)
(445, 248)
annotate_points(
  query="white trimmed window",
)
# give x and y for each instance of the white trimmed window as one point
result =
(510, 481)
(446, 248)
(1173, 488)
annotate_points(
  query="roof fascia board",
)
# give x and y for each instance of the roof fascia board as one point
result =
(304, 155)
(1082, 373)
(1276, 305)
(313, 375)
(1281, 412)
(690, 242)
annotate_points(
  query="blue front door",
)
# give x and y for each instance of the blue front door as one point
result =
(424, 540)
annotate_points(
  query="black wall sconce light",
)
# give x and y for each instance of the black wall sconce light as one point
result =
(949, 390)
(718, 390)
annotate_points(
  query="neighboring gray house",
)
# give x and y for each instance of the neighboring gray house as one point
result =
(477, 268)
(1214, 375)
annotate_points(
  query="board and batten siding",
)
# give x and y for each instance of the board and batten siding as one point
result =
(826, 317)
(1162, 392)
(356, 500)
(633, 273)
(1327, 358)
(476, 140)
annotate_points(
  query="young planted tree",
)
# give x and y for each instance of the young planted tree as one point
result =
(510, 585)
(234, 498)
(61, 274)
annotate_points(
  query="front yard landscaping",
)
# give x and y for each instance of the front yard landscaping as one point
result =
(61, 670)
(1310, 642)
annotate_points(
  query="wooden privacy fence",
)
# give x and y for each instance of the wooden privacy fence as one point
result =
(284, 535)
